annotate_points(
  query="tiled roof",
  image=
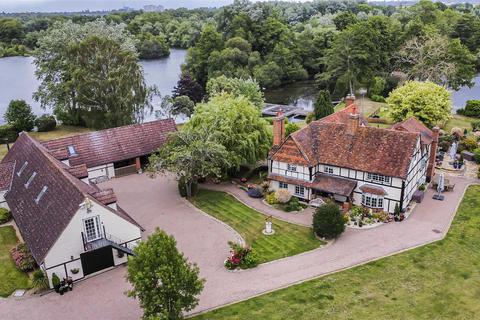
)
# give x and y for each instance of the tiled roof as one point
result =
(370, 149)
(6, 172)
(412, 124)
(41, 222)
(335, 185)
(342, 116)
(373, 190)
(106, 196)
(79, 171)
(116, 144)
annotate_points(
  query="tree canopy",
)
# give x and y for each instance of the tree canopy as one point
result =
(236, 124)
(19, 116)
(323, 105)
(237, 87)
(163, 280)
(427, 101)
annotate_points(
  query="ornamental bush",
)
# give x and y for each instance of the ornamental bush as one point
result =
(5, 215)
(22, 258)
(39, 280)
(241, 257)
(8, 134)
(282, 196)
(469, 143)
(293, 205)
(477, 155)
(45, 123)
(270, 198)
(476, 125)
(328, 221)
(472, 108)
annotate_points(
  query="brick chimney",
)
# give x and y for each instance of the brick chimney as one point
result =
(433, 154)
(349, 100)
(278, 129)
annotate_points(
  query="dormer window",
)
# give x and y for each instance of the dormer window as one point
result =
(291, 167)
(30, 180)
(71, 151)
(40, 195)
(19, 172)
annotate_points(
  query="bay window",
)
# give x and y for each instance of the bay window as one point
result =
(372, 200)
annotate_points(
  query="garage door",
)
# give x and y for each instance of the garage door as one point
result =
(97, 260)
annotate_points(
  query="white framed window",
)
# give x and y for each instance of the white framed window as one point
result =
(328, 169)
(71, 151)
(378, 178)
(372, 200)
(300, 191)
(19, 172)
(40, 195)
(291, 167)
(282, 185)
(30, 179)
(92, 228)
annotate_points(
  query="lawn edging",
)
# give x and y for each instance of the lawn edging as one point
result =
(440, 238)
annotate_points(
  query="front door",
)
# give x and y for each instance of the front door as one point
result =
(96, 260)
(92, 229)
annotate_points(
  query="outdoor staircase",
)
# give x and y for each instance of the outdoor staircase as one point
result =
(108, 240)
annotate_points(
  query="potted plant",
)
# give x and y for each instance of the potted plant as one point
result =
(56, 282)
(75, 270)
(120, 254)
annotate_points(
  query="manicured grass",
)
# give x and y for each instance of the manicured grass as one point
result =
(459, 122)
(288, 240)
(60, 132)
(11, 278)
(437, 281)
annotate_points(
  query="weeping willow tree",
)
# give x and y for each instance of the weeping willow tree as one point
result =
(235, 123)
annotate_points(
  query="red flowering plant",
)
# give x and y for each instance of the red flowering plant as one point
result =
(240, 257)
(22, 258)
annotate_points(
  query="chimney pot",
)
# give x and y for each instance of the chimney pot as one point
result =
(353, 123)
(349, 100)
(278, 129)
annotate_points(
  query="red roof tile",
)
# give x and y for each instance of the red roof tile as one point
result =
(116, 144)
(6, 172)
(342, 116)
(370, 149)
(373, 189)
(106, 196)
(79, 171)
(412, 124)
(335, 185)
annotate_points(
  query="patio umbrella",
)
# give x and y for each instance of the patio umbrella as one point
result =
(453, 150)
(441, 183)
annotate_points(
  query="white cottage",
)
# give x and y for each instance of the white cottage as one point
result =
(342, 157)
(71, 227)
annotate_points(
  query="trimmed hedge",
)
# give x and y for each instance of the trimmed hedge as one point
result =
(5, 215)
(328, 221)
(8, 134)
(46, 123)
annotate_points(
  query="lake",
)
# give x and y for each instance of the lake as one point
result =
(17, 81)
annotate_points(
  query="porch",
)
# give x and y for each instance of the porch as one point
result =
(336, 188)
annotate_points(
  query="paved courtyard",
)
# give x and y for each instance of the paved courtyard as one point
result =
(204, 241)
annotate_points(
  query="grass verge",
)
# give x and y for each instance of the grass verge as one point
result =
(437, 281)
(288, 240)
(11, 278)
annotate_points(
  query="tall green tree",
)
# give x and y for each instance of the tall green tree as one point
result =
(237, 87)
(20, 116)
(323, 105)
(53, 62)
(236, 124)
(163, 280)
(191, 155)
(109, 83)
(187, 86)
(427, 101)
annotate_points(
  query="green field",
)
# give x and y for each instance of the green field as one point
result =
(437, 281)
(11, 278)
(288, 240)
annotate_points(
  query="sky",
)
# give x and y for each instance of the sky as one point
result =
(93, 5)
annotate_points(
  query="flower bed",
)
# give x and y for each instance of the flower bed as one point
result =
(363, 217)
(22, 258)
(240, 257)
(284, 202)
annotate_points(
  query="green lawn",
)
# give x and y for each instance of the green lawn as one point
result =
(437, 281)
(288, 240)
(459, 122)
(11, 278)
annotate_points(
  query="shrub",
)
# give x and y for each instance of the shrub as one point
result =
(476, 125)
(328, 221)
(20, 116)
(5, 215)
(291, 128)
(265, 185)
(255, 193)
(310, 117)
(8, 134)
(472, 108)
(476, 152)
(293, 205)
(23, 258)
(46, 123)
(242, 257)
(469, 143)
(457, 132)
(40, 280)
(377, 87)
(282, 196)
(270, 198)
(377, 98)
(444, 145)
(55, 280)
